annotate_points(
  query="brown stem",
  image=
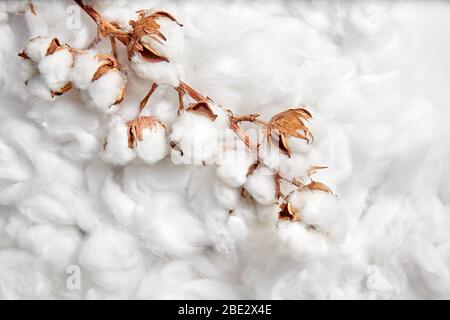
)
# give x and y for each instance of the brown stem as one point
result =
(113, 46)
(191, 92)
(147, 96)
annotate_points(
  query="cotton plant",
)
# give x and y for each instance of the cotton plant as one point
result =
(273, 170)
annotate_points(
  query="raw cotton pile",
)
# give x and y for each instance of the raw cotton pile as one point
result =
(118, 179)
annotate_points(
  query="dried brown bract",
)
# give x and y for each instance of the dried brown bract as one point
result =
(203, 109)
(287, 213)
(136, 126)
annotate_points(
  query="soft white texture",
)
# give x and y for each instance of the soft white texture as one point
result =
(116, 150)
(55, 68)
(261, 186)
(102, 95)
(163, 73)
(197, 137)
(153, 146)
(85, 66)
(37, 48)
(38, 88)
(234, 166)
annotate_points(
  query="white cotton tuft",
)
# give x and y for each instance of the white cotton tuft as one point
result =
(297, 145)
(37, 48)
(302, 242)
(162, 73)
(153, 146)
(56, 68)
(173, 47)
(116, 149)
(321, 210)
(104, 93)
(227, 197)
(234, 166)
(197, 138)
(295, 167)
(261, 186)
(38, 88)
(27, 69)
(84, 68)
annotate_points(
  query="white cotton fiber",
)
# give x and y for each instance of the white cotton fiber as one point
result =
(297, 145)
(321, 210)
(227, 197)
(116, 150)
(302, 242)
(154, 146)
(295, 167)
(162, 73)
(55, 68)
(261, 186)
(234, 166)
(38, 88)
(196, 136)
(27, 69)
(103, 94)
(84, 68)
(37, 48)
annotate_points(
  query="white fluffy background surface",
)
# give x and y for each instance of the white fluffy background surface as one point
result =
(375, 74)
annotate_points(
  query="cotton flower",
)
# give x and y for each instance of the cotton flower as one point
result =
(319, 209)
(261, 186)
(194, 138)
(116, 150)
(302, 242)
(153, 146)
(106, 93)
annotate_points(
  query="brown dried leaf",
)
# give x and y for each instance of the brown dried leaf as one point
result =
(314, 169)
(203, 109)
(318, 186)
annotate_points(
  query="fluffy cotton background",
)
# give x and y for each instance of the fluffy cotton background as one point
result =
(375, 74)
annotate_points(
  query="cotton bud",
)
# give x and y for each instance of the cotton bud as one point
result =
(116, 149)
(195, 137)
(261, 185)
(301, 241)
(156, 47)
(106, 93)
(148, 137)
(39, 47)
(319, 209)
(55, 68)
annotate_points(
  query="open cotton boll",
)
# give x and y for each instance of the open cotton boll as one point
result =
(234, 166)
(197, 138)
(37, 48)
(261, 185)
(56, 68)
(116, 149)
(84, 68)
(104, 93)
(227, 197)
(162, 73)
(321, 210)
(38, 88)
(301, 242)
(153, 146)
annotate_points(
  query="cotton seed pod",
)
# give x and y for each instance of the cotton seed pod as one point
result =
(148, 137)
(39, 47)
(87, 64)
(116, 150)
(106, 93)
(261, 185)
(195, 137)
(155, 47)
(55, 68)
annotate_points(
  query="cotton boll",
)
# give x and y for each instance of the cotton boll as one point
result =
(37, 48)
(321, 210)
(295, 167)
(104, 93)
(162, 73)
(227, 197)
(261, 186)
(38, 88)
(153, 146)
(197, 138)
(113, 258)
(116, 149)
(297, 145)
(301, 242)
(27, 69)
(234, 164)
(55, 68)
(84, 69)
